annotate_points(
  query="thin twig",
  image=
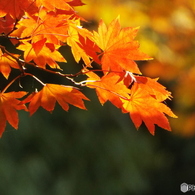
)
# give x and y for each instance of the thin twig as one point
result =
(54, 72)
(19, 38)
(42, 83)
(10, 83)
(84, 83)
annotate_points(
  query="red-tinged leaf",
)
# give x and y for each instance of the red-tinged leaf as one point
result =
(119, 48)
(9, 104)
(38, 46)
(78, 39)
(51, 46)
(109, 87)
(6, 24)
(154, 88)
(6, 63)
(51, 93)
(76, 3)
(15, 8)
(43, 57)
(90, 49)
(143, 107)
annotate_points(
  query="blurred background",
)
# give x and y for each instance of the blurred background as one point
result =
(99, 151)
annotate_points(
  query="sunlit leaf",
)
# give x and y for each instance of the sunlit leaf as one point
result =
(143, 107)
(120, 50)
(6, 63)
(51, 93)
(9, 104)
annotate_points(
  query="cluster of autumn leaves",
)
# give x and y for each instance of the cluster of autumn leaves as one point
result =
(39, 28)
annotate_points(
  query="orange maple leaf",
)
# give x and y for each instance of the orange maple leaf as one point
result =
(119, 48)
(15, 8)
(50, 25)
(154, 88)
(51, 93)
(143, 107)
(53, 5)
(80, 41)
(41, 53)
(9, 103)
(76, 3)
(109, 87)
(143, 101)
(6, 63)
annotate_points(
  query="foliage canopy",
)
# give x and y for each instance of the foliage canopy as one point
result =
(39, 28)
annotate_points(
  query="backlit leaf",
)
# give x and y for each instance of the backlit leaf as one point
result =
(80, 41)
(109, 87)
(154, 88)
(6, 24)
(51, 93)
(120, 50)
(41, 54)
(15, 8)
(143, 107)
(51, 26)
(9, 104)
(6, 63)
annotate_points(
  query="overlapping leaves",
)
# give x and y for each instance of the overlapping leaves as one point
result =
(40, 28)
(143, 101)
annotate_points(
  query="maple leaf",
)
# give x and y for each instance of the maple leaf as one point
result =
(41, 27)
(9, 103)
(51, 26)
(119, 48)
(15, 8)
(76, 3)
(90, 49)
(6, 63)
(6, 24)
(80, 41)
(52, 5)
(154, 88)
(109, 87)
(51, 93)
(143, 107)
(41, 53)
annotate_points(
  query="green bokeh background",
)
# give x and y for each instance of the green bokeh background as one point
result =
(95, 152)
(91, 152)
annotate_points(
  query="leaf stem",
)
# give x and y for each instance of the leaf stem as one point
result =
(10, 83)
(19, 38)
(54, 72)
(122, 97)
(84, 84)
